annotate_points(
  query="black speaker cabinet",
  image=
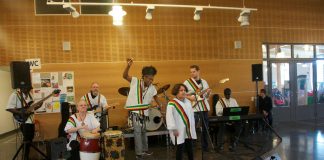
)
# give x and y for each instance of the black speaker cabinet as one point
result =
(257, 74)
(20, 74)
(56, 148)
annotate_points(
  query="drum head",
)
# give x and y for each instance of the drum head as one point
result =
(113, 133)
(89, 135)
(154, 120)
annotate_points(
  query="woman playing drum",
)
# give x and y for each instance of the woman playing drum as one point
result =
(79, 124)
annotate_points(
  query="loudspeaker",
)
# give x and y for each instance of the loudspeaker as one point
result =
(257, 74)
(20, 74)
(56, 148)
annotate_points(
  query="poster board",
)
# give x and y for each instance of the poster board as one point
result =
(44, 83)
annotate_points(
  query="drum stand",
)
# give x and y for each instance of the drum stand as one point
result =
(25, 143)
(203, 124)
(102, 130)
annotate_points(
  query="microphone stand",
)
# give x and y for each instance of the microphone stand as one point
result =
(102, 131)
(203, 124)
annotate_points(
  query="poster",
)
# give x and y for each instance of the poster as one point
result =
(44, 83)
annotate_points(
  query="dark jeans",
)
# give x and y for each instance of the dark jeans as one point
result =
(204, 116)
(28, 131)
(75, 148)
(189, 149)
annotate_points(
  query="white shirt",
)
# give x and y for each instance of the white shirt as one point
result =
(147, 94)
(94, 101)
(228, 102)
(175, 122)
(14, 103)
(73, 122)
(191, 89)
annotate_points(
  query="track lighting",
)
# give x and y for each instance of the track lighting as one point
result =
(244, 17)
(117, 13)
(197, 13)
(72, 10)
(149, 11)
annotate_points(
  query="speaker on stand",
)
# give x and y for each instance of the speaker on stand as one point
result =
(20, 75)
(257, 75)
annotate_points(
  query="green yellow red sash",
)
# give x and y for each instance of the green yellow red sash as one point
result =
(182, 114)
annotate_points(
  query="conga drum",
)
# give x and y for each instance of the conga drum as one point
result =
(114, 145)
(90, 146)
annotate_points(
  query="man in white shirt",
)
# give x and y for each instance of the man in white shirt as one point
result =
(198, 86)
(221, 104)
(95, 102)
(141, 92)
(14, 106)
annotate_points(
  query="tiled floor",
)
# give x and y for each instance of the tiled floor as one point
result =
(301, 141)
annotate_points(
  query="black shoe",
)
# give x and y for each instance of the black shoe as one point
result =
(220, 148)
(232, 147)
(139, 157)
(147, 153)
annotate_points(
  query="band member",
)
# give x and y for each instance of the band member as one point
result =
(223, 103)
(198, 86)
(78, 123)
(95, 101)
(141, 91)
(180, 121)
(265, 106)
(16, 100)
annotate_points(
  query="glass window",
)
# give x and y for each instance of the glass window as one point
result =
(320, 51)
(305, 95)
(280, 51)
(303, 51)
(280, 84)
(264, 51)
(265, 73)
(320, 80)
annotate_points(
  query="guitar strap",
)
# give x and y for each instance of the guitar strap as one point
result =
(222, 102)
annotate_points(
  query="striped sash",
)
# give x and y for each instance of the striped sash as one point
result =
(87, 99)
(182, 114)
(140, 94)
(193, 85)
(222, 102)
(71, 120)
(201, 105)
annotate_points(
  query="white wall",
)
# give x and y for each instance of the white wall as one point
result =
(6, 123)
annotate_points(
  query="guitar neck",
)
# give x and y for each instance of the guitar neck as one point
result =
(39, 102)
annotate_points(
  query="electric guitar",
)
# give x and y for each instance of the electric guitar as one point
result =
(26, 111)
(97, 109)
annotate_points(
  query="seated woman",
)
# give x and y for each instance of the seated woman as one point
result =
(180, 122)
(78, 124)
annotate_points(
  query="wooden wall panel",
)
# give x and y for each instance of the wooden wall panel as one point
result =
(172, 34)
(109, 76)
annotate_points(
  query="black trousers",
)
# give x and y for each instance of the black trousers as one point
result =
(203, 117)
(189, 148)
(28, 131)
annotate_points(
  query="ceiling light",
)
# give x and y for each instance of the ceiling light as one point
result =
(197, 13)
(117, 13)
(244, 17)
(72, 10)
(149, 11)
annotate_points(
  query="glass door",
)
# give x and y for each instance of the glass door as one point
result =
(303, 94)
(280, 90)
(319, 110)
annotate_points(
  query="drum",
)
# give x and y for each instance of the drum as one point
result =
(114, 145)
(154, 119)
(89, 146)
